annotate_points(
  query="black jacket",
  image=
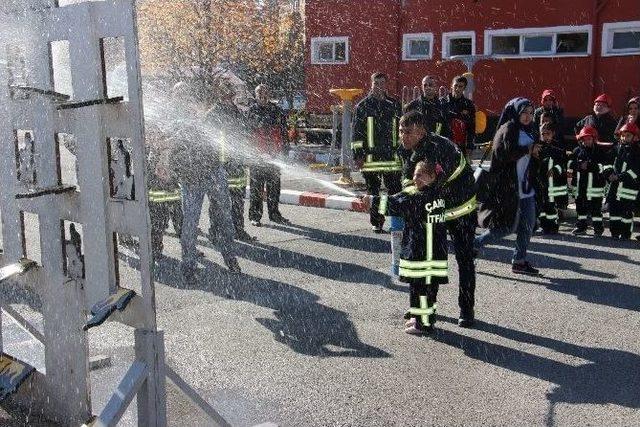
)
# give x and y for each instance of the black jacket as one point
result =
(605, 125)
(552, 188)
(455, 182)
(425, 234)
(596, 159)
(453, 108)
(435, 119)
(385, 115)
(627, 167)
(269, 118)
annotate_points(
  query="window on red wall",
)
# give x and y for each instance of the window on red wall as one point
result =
(330, 50)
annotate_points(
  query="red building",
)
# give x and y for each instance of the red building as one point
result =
(579, 48)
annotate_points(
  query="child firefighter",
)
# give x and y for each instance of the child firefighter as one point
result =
(423, 259)
(553, 179)
(623, 176)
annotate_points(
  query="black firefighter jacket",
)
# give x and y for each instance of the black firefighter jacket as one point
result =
(605, 125)
(588, 165)
(627, 167)
(435, 119)
(375, 134)
(553, 188)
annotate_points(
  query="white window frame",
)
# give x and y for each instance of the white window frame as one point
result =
(540, 31)
(608, 30)
(446, 38)
(315, 43)
(408, 38)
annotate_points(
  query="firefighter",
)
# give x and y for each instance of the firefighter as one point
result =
(623, 176)
(587, 162)
(460, 111)
(429, 105)
(602, 119)
(165, 201)
(553, 179)
(228, 122)
(457, 185)
(375, 143)
(423, 260)
(268, 124)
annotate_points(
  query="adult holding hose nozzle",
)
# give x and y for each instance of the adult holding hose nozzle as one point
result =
(457, 186)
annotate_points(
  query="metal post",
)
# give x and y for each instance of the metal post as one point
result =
(347, 96)
(335, 120)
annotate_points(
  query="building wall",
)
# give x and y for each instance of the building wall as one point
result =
(375, 28)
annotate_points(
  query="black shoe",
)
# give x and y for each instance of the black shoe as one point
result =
(232, 265)
(256, 223)
(578, 231)
(525, 268)
(279, 219)
(243, 236)
(466, 319)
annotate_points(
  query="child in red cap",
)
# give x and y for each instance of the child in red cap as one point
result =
(549, 105)
(602, 119)
(623, 176)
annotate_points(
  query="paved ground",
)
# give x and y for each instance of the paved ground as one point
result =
(311, 333)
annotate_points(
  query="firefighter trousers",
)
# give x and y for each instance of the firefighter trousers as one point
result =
(586, 208)
(237, 212)
(462, 231)
(549, 219)
(161, 213)
(422, 296)
(621, 218)
(261, 178)
(393, 184)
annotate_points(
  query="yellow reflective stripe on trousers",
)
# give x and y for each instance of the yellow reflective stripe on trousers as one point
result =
(422, 265)
(460, 168)
(418, 274)
(462, 210)
(550, 193)
(382, 208)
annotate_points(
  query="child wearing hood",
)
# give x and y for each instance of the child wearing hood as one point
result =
(623, 176)
(423, 260)
(588, 161)
(553, 179)
(549, 105)
(510, 204)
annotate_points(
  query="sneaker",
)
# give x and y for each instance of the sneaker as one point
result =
(232, 265)
(416, 329)
(411, 322)
(579, 231)
(377, 229)
(256, 223)
(466, 319)
(243, 236)
(525, 268)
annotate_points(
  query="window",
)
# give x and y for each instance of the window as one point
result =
(541, 42)
(417, 46)
(458, 43)
(621, 38)
(330, 50)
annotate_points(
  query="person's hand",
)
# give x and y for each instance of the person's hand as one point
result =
(535, 150)
(613, 177)
(366, 201)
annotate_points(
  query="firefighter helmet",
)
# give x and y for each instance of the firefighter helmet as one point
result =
(604, 98)
(629, 127)
(587, 131)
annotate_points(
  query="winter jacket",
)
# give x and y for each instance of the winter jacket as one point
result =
(498, 205)
(435, 119)
(268, 125)
(453, 108)
(589, 183)
(455, 180)
(552, 188)
(375, 134)
(605, 125)
(627, 167)
(424, 241)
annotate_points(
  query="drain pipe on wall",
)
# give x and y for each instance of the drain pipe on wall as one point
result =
(598, 6)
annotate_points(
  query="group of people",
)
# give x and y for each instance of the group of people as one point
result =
(431, 185)
(206, 151)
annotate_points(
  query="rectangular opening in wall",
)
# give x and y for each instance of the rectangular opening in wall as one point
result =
(61, 67)
(25, 151)
(31, 227)
(572, 43)
(72, 250)
(68, 160)
(505, 45)
(16, 69)
(114, 67)
(460, 46)
(127, 259)
(121, 179)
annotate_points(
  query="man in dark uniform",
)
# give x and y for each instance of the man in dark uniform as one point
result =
(269, 126)
(429, 105)
(375, 143)
(230, 124)
(457, 185)
(602, 119)
(460, 111)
